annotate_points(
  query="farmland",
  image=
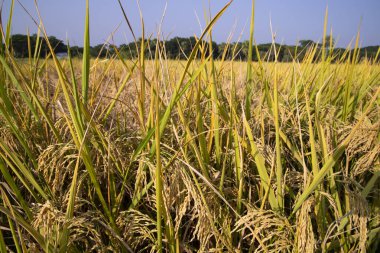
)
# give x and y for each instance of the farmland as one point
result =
(152, 154)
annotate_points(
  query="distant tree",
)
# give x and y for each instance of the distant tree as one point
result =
(287, 54)
(329, 39)
(181, 48)
(19, 45)
(306, 43)
(185, 47)
(178, 47)
(215, 49)
(111, 49)
(58, 45)
(98, 51)
(224, 49)
(76, 51)
(128, 50)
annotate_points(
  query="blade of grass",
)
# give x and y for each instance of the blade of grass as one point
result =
(77, 99)
(324, 35)
(158, 173)
(279, 170)
(3, 246)
(249, 82)
(86, 56)
(9, 25)
(215, 106)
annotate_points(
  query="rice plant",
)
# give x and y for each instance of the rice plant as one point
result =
(195, 155)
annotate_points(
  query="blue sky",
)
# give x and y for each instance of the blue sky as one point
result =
(292, 20)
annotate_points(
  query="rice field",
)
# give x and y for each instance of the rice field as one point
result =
(196, 155)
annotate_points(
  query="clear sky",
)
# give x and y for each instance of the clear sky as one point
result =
(292, 20)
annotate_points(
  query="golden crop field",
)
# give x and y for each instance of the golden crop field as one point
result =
(196, 155)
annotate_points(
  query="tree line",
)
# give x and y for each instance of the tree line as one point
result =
(180, 48)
